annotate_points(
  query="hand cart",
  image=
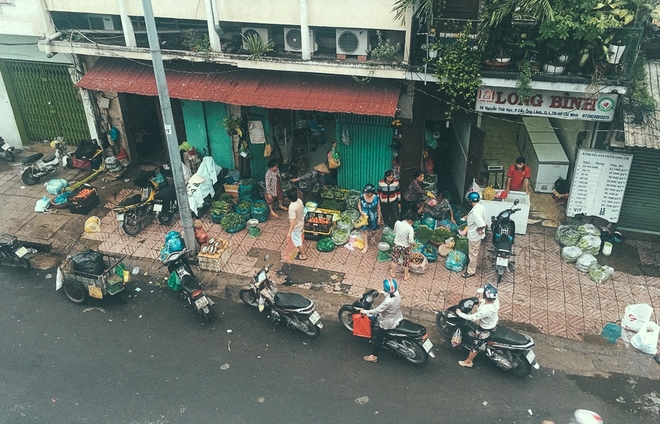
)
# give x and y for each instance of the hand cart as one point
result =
(79, 286)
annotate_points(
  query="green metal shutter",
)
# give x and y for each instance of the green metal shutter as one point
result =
(368, 155)
(639, 210)
(258, 163)
(195, 124)
(47, 101)
(219, 140)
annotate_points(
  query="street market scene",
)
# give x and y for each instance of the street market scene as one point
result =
(462, 186)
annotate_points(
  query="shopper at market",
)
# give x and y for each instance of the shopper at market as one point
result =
(296, 223)
(369, 205)
(518, 176)
(412, 197)
(311, 182)
(438, 208)
(274, 187)
(404, 237)
(389, 193)
(476, 225)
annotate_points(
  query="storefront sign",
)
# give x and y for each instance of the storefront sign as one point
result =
(587, 107)
(599, 181)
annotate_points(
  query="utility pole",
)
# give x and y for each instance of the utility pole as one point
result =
(170, 130)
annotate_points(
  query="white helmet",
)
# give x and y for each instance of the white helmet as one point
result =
(582, 416)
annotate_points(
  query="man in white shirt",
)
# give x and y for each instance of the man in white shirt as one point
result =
(296, 222)
(476, 226)
(404, 237)
(487, 316)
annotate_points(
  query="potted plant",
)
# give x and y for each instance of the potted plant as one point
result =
(385, 50)
(526, 70)
(256, 46)
(232, 124)
(615, 50)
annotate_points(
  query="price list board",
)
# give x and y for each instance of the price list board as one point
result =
(599, 181)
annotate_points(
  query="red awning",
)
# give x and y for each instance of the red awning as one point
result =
(248, 87)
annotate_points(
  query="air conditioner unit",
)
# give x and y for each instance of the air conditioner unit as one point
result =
(261, 32)
(293, 40)
(353, 42)
(103, 22)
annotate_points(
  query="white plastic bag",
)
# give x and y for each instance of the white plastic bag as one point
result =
(635, 316)
(59, 280)
(646, 339)
(456, 338)
(42, 205)
(93, 225)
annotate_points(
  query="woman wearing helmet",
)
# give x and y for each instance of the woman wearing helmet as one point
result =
(487, 315)
(476, 226)
(369, 206)
(388, 315)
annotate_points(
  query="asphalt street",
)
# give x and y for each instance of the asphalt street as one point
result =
(144, 358)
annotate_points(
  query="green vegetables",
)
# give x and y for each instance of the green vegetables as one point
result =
(325, 245)
(423, 234)
(248, 182)
(567, 235)
(332, 204)
(333, 192)
(462, 245)
(231, 220)
(259, 204)
(245, 204)
(340, 236)
(226, 197)
(220, 207)
(440, 235)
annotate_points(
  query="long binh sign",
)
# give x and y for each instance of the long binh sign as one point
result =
(563, 105)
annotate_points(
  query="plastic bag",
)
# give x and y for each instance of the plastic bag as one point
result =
(590, 244)
(646, 339)
(430, 252)
(489, 193)
(93, 225)
(599, 273)
(570, 254)
(388, 236)
(56, 185)
(588, 230)
(201, 235)
(585, 262)
(611, 332)
(567, 235)
(59, 279)
(457, 338)
(325, 245)
(361, 325)
(418, 268)
(42, 204)
(174, 282)
(635, 316)
(88, 261)
(456, 261)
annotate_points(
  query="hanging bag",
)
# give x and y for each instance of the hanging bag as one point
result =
(361, 325)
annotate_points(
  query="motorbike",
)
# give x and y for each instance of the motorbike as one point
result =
(408, 339)
(295, 310)
(191, 288)
(508, 349)
(13, 251)
(166, 205)
(36, 167)
(6, 150)
(504, 234)
(136, 211)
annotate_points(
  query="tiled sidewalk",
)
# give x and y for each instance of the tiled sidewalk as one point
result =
(544, 291)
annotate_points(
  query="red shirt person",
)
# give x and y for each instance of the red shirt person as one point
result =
(518, 176)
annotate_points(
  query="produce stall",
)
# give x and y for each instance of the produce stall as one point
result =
(495, 206)
(319, 223)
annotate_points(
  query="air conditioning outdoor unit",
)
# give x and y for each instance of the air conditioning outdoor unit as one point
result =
(354, 42)
(293, 40)
(261, 32)
(103, 22)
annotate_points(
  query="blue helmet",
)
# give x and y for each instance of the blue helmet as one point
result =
(490, 292)
(473, 197)
(390, 285)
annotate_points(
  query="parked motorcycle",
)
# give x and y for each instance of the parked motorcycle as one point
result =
(136, 211)
(295, 310)
(504, 234)
(509, 349)
(12, 251)
(408, 339)
(192, 290)
(6, 150)
(166, 205)
(37, 167)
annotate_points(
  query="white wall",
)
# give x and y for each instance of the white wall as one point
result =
(24, 17)
(7, 121)
(368, 14)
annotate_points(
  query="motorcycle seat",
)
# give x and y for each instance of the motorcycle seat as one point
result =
(7, 240)
(409, 328)
(130, 200)
(291, 301)
(190, 283)
(167, 193)
(32, 158)
(504, 335)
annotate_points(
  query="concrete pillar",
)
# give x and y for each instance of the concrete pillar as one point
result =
(304, 32)
(127, 25)
(211, 23)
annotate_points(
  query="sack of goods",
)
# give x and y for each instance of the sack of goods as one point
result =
(567, 235)
(599, 273)
(340, 236)
(418, 263)
(585, 262)
(456, 261)
(588, 230)
(112, 164)
(590, 244)
(325, 245)
(570, 254)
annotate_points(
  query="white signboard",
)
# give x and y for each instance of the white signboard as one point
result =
(563, 105)
(599, 181)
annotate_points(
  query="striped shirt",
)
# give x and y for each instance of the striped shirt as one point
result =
(389, 193)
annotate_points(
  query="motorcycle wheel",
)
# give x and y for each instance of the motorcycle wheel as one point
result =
(499, 278)
(207, 314)
(346, 317)
(521, 368)
(419, 356)
(75, 291)
(248, 297)
(9, 156)
(23, 263)
(166, 218)
(131, 225)
(445, 329)
(310, 329)
(29, 178)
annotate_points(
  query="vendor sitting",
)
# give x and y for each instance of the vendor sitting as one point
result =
(311, 182)
(438, 209)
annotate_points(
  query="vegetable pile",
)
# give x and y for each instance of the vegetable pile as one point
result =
(232, 222)
(220, 207)
(423, 234)
(340, 236)
(567, 235)
(589, 244)
(333, 192)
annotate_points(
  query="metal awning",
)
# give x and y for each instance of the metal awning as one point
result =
(648, 134)
(246, 87)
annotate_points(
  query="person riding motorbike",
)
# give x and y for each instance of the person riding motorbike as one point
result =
(388, 315)
(487, 315)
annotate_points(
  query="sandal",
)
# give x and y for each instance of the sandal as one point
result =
(467, 275)
(301, 258)
(465, 364)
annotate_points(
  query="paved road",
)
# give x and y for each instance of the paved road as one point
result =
(146, 359)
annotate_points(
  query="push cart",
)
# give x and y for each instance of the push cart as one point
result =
(79, 286)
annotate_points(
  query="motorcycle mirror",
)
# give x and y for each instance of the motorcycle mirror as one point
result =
(492, 218)
(266, 257)
(515, 202)
(480, 290)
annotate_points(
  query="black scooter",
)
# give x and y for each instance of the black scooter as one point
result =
(12, 251)
(504, 234)
(165, 205)
(408, 339)
(191, 288)
(509, 349)
(6, 150)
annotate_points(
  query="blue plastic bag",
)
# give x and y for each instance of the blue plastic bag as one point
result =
(611, 332)
(448, 224)
(42, 204)
(430, 252)
(456, 261)
(56, 185)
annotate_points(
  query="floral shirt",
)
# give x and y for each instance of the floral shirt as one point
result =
(414, 192)
(272, 178)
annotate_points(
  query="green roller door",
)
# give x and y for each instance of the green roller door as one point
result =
(45, 101)
(639, 210)
(368, 155)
